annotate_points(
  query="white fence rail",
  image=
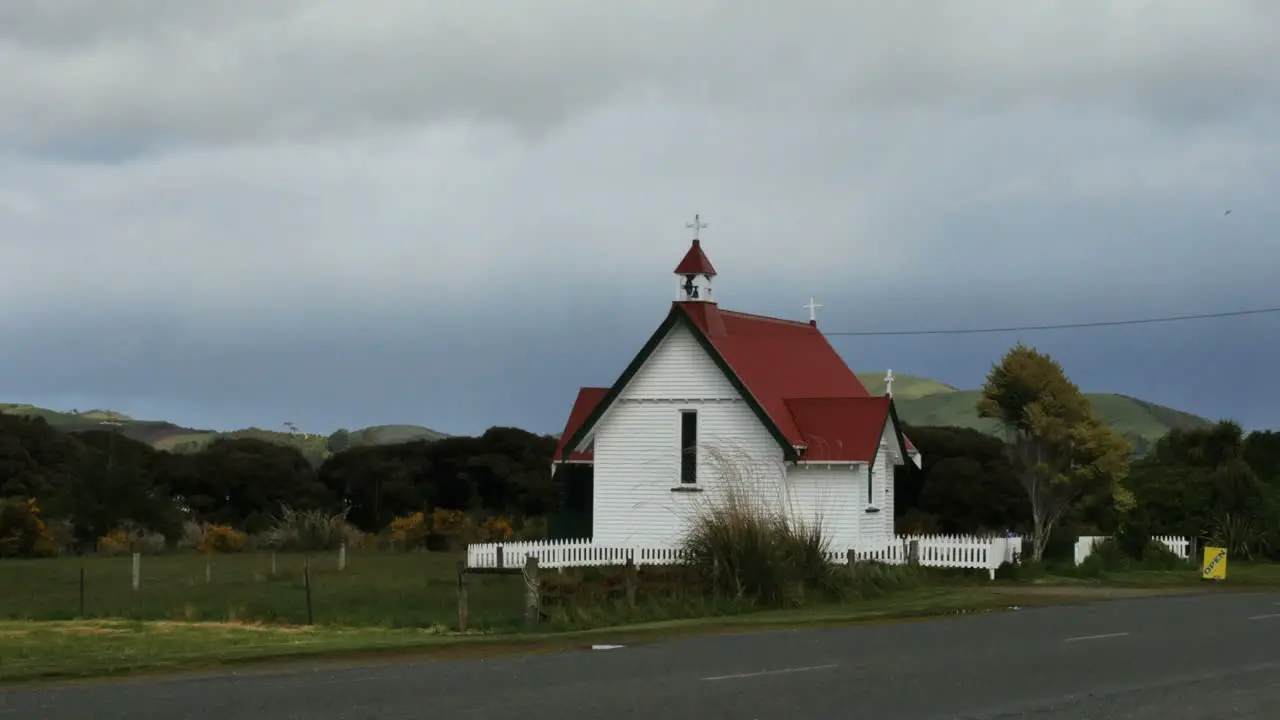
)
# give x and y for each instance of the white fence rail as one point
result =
(946, 551)
(1180, 546)
(942, 551)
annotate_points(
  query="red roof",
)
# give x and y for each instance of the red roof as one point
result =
(793, 373)
(695, 262)
(790, 367)
(587, 400)
(840, 429)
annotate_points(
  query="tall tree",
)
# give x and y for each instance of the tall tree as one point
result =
(1062, 451)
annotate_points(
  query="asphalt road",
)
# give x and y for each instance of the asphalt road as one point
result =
(1202, 657)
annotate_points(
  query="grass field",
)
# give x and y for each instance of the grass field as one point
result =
(407, 590)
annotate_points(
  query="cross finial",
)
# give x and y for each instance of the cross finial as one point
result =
(888, 383)
(812, 307)
(696, 225)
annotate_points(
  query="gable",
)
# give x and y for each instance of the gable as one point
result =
(892, 442)
(659, 381)
(679, 369)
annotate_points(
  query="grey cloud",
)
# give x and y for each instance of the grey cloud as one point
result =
(243, 69)
(218, 207)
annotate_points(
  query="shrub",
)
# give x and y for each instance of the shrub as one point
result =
(311, 530)
(496, 529)
(534, 528)
(21, 528)
(221, 539)
(746, 551)
(869, 580)
(59, 538)
(1240, 535)
(450, 529)
(1061, 545)
(1133, 539)
(193, 535)
(1157, 556)
(128, 539)
(409, 532)
(1106, 557)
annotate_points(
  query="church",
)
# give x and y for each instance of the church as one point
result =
(719, 403)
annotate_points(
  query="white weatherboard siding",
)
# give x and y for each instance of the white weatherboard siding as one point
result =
(827, 495)
(877, 527)
(637, 448)
(679, 369)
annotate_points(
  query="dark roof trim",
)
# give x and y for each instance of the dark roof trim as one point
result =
(677, 316)
(891, 417)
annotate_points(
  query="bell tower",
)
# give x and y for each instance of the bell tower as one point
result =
(695, 271)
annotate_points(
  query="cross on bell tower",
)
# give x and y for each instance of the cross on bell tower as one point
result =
(888, 383)
(695, 270)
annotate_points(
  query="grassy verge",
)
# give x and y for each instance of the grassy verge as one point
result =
(179, 619)
(1240, 575)
(35, 651)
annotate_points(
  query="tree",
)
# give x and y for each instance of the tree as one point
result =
(1061, 450)
(340, 440)
(967, 485)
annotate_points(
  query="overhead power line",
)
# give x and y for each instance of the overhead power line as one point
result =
(1062, 326)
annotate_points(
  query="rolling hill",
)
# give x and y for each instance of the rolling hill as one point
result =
(922, 401)
(164, 435)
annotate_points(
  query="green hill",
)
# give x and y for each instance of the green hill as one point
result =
(392, 434)
(922, 401)
(164, 435)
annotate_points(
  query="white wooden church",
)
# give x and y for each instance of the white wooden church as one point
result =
(717, 399)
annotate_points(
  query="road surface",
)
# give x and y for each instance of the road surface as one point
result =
(1203, 657)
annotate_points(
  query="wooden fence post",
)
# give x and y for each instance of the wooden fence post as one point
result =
(1191, 550)
(306, 581)
(82, 591)
(273, 563)
(208, 567)
(499, 550)
(342, 557)
(913, 553)
(533, 592)
(137, 570)
(462, 596)
(850, 557)
(631, 579)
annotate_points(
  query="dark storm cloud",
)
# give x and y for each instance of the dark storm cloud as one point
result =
(342, 213)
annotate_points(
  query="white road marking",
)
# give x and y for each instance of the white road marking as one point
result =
(607, 647)
(1096, 637)
(1265, 617)
(770, 672)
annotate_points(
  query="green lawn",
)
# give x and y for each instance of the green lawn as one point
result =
(406, 590)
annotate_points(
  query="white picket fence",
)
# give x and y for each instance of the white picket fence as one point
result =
(946, 551)
(1180, 546)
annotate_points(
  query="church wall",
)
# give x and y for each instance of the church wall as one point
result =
(832, 497)
(639, 499)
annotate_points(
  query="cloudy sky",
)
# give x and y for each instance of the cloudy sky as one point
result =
(343, 213)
